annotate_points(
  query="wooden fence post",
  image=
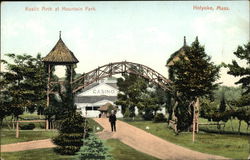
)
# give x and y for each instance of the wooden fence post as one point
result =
(47, 124)
(17, 130)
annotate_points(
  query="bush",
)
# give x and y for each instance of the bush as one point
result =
(69, 140)
(29, 126)
(41, 125)
(93, 149)
(148, 115)
(159, 117)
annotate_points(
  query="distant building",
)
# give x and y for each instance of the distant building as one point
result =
(96, 95)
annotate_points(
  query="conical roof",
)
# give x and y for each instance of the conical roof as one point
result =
(176, 55)
(60, 55)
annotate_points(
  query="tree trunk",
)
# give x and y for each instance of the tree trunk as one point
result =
(197, 115)
(174, 118)
(8, 124)
(173, 112)
(239, 126)
(1, 124)
(12, 120)
(232, 124)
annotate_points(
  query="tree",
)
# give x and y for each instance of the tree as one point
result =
(131, 88)
(243, 53)
(21, 86)
(223, 106)
(151, 100)
(195, 77)
(93, 149)
(24, 83)
(236, 70)
(71, 131)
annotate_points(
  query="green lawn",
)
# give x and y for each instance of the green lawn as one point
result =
(118, 150)
(9, 137)
(232, 146)
(230, 127)
(36, 154)
(7, 124)
(121, 151)
(31, 116)
(94, 126)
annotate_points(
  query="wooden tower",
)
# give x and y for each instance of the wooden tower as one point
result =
(59, 55)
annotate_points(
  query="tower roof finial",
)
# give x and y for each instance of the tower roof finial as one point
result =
(185, 43)
(60, 34)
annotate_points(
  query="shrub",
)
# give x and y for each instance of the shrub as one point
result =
(29, 126)
(159, 117)
(148, 115)
(42, 125)
(69, 140)
(93, 149)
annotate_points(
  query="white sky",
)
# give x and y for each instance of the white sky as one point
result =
(143, 32)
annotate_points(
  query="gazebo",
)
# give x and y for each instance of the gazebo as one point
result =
(183, 51)
(176, 55)
(59, 55)
(105, 109)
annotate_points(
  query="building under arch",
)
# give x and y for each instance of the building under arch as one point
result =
(91, 98)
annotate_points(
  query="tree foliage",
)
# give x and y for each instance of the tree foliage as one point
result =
(23, 84)
(131, 88)
(93, 149)
(137, 92)
(69, 140)
(194, 77)
(151, 100)
(243, 53)
(194, 73)
(71, 130)
(223, 106)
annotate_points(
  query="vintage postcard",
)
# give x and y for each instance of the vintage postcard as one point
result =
(125, 80)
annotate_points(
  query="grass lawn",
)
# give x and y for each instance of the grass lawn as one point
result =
(36, 154)
(121, 151)
(230, 127)
(94, 126)
(231, 146)
(118, 150)
(31, 116)
(9, 137)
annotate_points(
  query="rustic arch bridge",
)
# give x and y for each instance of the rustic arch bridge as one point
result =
(119, 68)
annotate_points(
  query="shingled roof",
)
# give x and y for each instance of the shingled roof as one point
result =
(60, 54)
(175, 56)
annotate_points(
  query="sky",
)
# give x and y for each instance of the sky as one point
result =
(146, 32)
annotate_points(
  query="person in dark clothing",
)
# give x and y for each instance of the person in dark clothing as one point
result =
(112, 120)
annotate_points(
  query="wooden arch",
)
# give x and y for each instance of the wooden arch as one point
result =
(119, 68)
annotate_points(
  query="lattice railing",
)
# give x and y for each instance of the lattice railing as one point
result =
(119, 68)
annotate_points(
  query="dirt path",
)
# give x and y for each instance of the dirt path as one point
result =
(130, 135)
(15, 147)
(148, 143)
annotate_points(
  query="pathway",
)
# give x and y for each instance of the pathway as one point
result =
(130, 135)
(148, 143)
(22, 146)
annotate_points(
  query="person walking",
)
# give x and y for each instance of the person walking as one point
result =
(112, 120)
